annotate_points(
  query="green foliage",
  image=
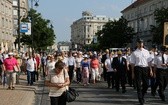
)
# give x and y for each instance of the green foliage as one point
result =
(43, 33)
(161, 15)
(115, 34)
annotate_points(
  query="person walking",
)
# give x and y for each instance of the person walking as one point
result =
(104, 57)
(57, 81)
(110, 71)
(161, 67)
(119, 64)
(140, 61)
(78, 67)
(8, 67)
(30, 67)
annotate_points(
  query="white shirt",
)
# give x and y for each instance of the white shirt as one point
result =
(108, 64)
(71, 61)
(31, 64)
(65, 60)
(78, 62)
(50, 65)
(140, 57)
(53, 78)
(158, 61)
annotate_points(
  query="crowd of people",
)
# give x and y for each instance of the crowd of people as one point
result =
(139, 69)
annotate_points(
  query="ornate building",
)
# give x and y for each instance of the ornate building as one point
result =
(84, 29)
(140, 15)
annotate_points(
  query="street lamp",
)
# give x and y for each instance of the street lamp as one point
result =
(18, 30)
(32, 22)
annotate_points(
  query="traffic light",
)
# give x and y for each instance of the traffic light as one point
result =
(165, 37)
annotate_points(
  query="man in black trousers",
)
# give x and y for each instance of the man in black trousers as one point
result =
(161, 66)
(140, 61)
(119, 64)
(104, 57)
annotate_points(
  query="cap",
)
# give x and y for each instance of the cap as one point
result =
(139, 40)
(85, 56)
(10, 53)
(119, 52)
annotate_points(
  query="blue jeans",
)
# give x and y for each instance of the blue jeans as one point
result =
(30, 77)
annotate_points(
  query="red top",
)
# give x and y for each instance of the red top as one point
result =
(9, 63)
(38, 61)
(94, 63)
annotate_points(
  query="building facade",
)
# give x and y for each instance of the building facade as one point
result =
(8, 21)
(140, 15)
(84, 29)
(6, 24)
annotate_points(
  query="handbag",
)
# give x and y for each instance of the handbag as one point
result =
(70, 94)
(15, 68)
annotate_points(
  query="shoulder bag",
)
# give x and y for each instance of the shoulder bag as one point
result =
(70, 94)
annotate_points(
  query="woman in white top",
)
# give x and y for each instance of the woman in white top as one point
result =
(57, 80)
(50, 65)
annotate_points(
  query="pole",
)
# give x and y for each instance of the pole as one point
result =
(32, 35)
(18, 31)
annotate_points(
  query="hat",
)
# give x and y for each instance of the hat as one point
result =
(119, 52)
(139, 40)
(85, 56)
(163, 48)
(10, 53)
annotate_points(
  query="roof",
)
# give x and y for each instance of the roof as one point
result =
(135, 4)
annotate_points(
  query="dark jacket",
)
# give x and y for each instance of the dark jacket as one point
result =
(120, 66)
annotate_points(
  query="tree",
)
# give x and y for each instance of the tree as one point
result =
(115, 34)
(161, 15)
(43, 33)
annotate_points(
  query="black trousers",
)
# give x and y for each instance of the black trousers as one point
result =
(78, 75)
(141, 80)
(163, 80)
(71, 73)
(110, 79)
(58, 100)
(120, 79)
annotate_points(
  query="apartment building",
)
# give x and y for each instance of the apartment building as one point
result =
(84, 29)
(6, 24)
(8, 21)
(140, 15)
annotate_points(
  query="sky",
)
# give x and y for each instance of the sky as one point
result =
(63, 13)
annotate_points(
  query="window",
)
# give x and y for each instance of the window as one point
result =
(15, 12)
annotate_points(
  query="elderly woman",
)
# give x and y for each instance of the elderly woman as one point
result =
(57, 80)
(8, 67)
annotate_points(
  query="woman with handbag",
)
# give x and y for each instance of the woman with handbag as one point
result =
(8, 67)
(58, 80)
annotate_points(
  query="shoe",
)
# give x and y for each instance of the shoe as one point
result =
(153, 93)
(9, 88)
(123, 91)
(162, 96)
(141, 101)
(13, 88)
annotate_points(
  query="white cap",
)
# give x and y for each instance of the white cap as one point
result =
(85, 56)
(10, 53)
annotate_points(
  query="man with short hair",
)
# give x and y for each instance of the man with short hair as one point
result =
(161, 67)
(140, 60)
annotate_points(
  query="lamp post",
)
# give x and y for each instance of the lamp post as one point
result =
(32, 22)
(18, 30)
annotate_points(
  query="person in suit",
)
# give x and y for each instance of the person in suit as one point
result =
(104, 57)
(119, 64)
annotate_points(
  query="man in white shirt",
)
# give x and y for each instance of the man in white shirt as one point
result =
(140, 61)
(161, 67)
(110, 72)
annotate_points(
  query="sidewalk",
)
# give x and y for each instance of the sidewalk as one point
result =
(22, 95)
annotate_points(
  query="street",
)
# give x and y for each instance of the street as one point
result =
(99, 94)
